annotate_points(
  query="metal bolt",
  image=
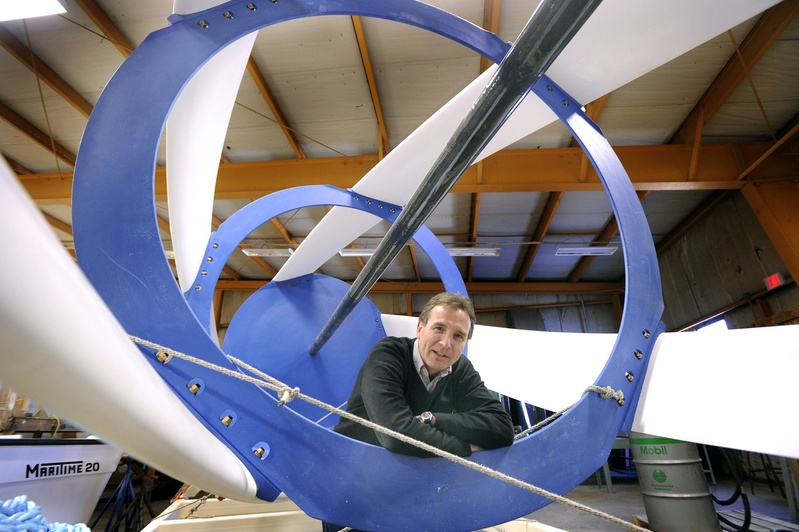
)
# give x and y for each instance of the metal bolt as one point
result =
(251, 7)
(629, 376)
(203, 24)
(646, 333)
(163, 357)
(638, 354)
(549, 88)
(216, 245)
(565, 103)
(259, 452)
(210, 259)
(227, 420)
(227, 14)
(194, 388)
(204, 273)
(198, 287)
(620, 402)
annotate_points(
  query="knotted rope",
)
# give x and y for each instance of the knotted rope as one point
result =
(269, 382)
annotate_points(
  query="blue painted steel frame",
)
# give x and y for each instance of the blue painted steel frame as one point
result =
(330, 476)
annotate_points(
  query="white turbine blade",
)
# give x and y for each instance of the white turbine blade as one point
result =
(63, 347)
(734, 389)
(195, 136)
(620, 42)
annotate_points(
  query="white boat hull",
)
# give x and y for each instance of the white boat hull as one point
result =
(65, 478)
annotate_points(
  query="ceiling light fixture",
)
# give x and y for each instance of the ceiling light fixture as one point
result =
(455, 252)
(267, 252)
(586, 251)
(22, 9)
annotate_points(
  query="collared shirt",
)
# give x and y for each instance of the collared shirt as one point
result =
(422, 369)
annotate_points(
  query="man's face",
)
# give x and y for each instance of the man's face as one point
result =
(442, 339)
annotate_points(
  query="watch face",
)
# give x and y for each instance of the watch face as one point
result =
(426, 417)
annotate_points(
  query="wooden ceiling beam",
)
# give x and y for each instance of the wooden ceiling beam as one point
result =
(263, 87)
(434, 287)
(37, 135)
(16, 167)
(25, 56)
(610, 230)
(58, 224)
(551, 207)
(106, 26)
(491, 11)
(474, 220)
(557, 169)
(771, 24)
(383, 145)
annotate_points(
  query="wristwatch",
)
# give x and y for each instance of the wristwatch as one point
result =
(426, 417)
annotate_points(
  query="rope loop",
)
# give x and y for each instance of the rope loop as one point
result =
(287, 395)
(606, 392)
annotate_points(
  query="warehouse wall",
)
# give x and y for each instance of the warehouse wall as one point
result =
(722, 261)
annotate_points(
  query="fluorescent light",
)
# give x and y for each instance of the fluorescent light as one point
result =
(11, 10)
(455, 252)
(267, 252)
(586, 251)
(356, 252)
(473, 252)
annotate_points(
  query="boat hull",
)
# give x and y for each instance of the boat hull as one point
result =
(65, 478)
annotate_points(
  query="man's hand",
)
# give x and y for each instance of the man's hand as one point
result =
(474, 447)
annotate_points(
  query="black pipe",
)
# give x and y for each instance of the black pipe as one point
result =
(551, 27)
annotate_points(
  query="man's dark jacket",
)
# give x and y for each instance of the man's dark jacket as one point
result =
(389, 392)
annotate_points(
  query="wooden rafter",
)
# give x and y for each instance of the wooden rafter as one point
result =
(24, 55)
(277, 113)
(474, 218)
(16, 167)
(610, 230)
(771, 24)
(383, 145)
(491, 10)
(649, 168)
(58, 224)
(551, 207)
(433, 287)
(36, 134)
(106, 26)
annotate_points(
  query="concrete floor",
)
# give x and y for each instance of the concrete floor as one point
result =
(624, 501)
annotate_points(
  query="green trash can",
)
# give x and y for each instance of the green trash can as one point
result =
(673, 485)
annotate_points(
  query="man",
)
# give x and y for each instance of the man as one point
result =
(424, 389)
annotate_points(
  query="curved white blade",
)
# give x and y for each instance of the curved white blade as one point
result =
(195, 135)
(620, 42)
(63, 347)
(733, 389)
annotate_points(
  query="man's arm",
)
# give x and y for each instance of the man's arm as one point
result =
(479, 418)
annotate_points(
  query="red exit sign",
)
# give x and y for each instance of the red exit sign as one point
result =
(773, 281)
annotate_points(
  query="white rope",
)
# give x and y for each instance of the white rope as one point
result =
(266, 381)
